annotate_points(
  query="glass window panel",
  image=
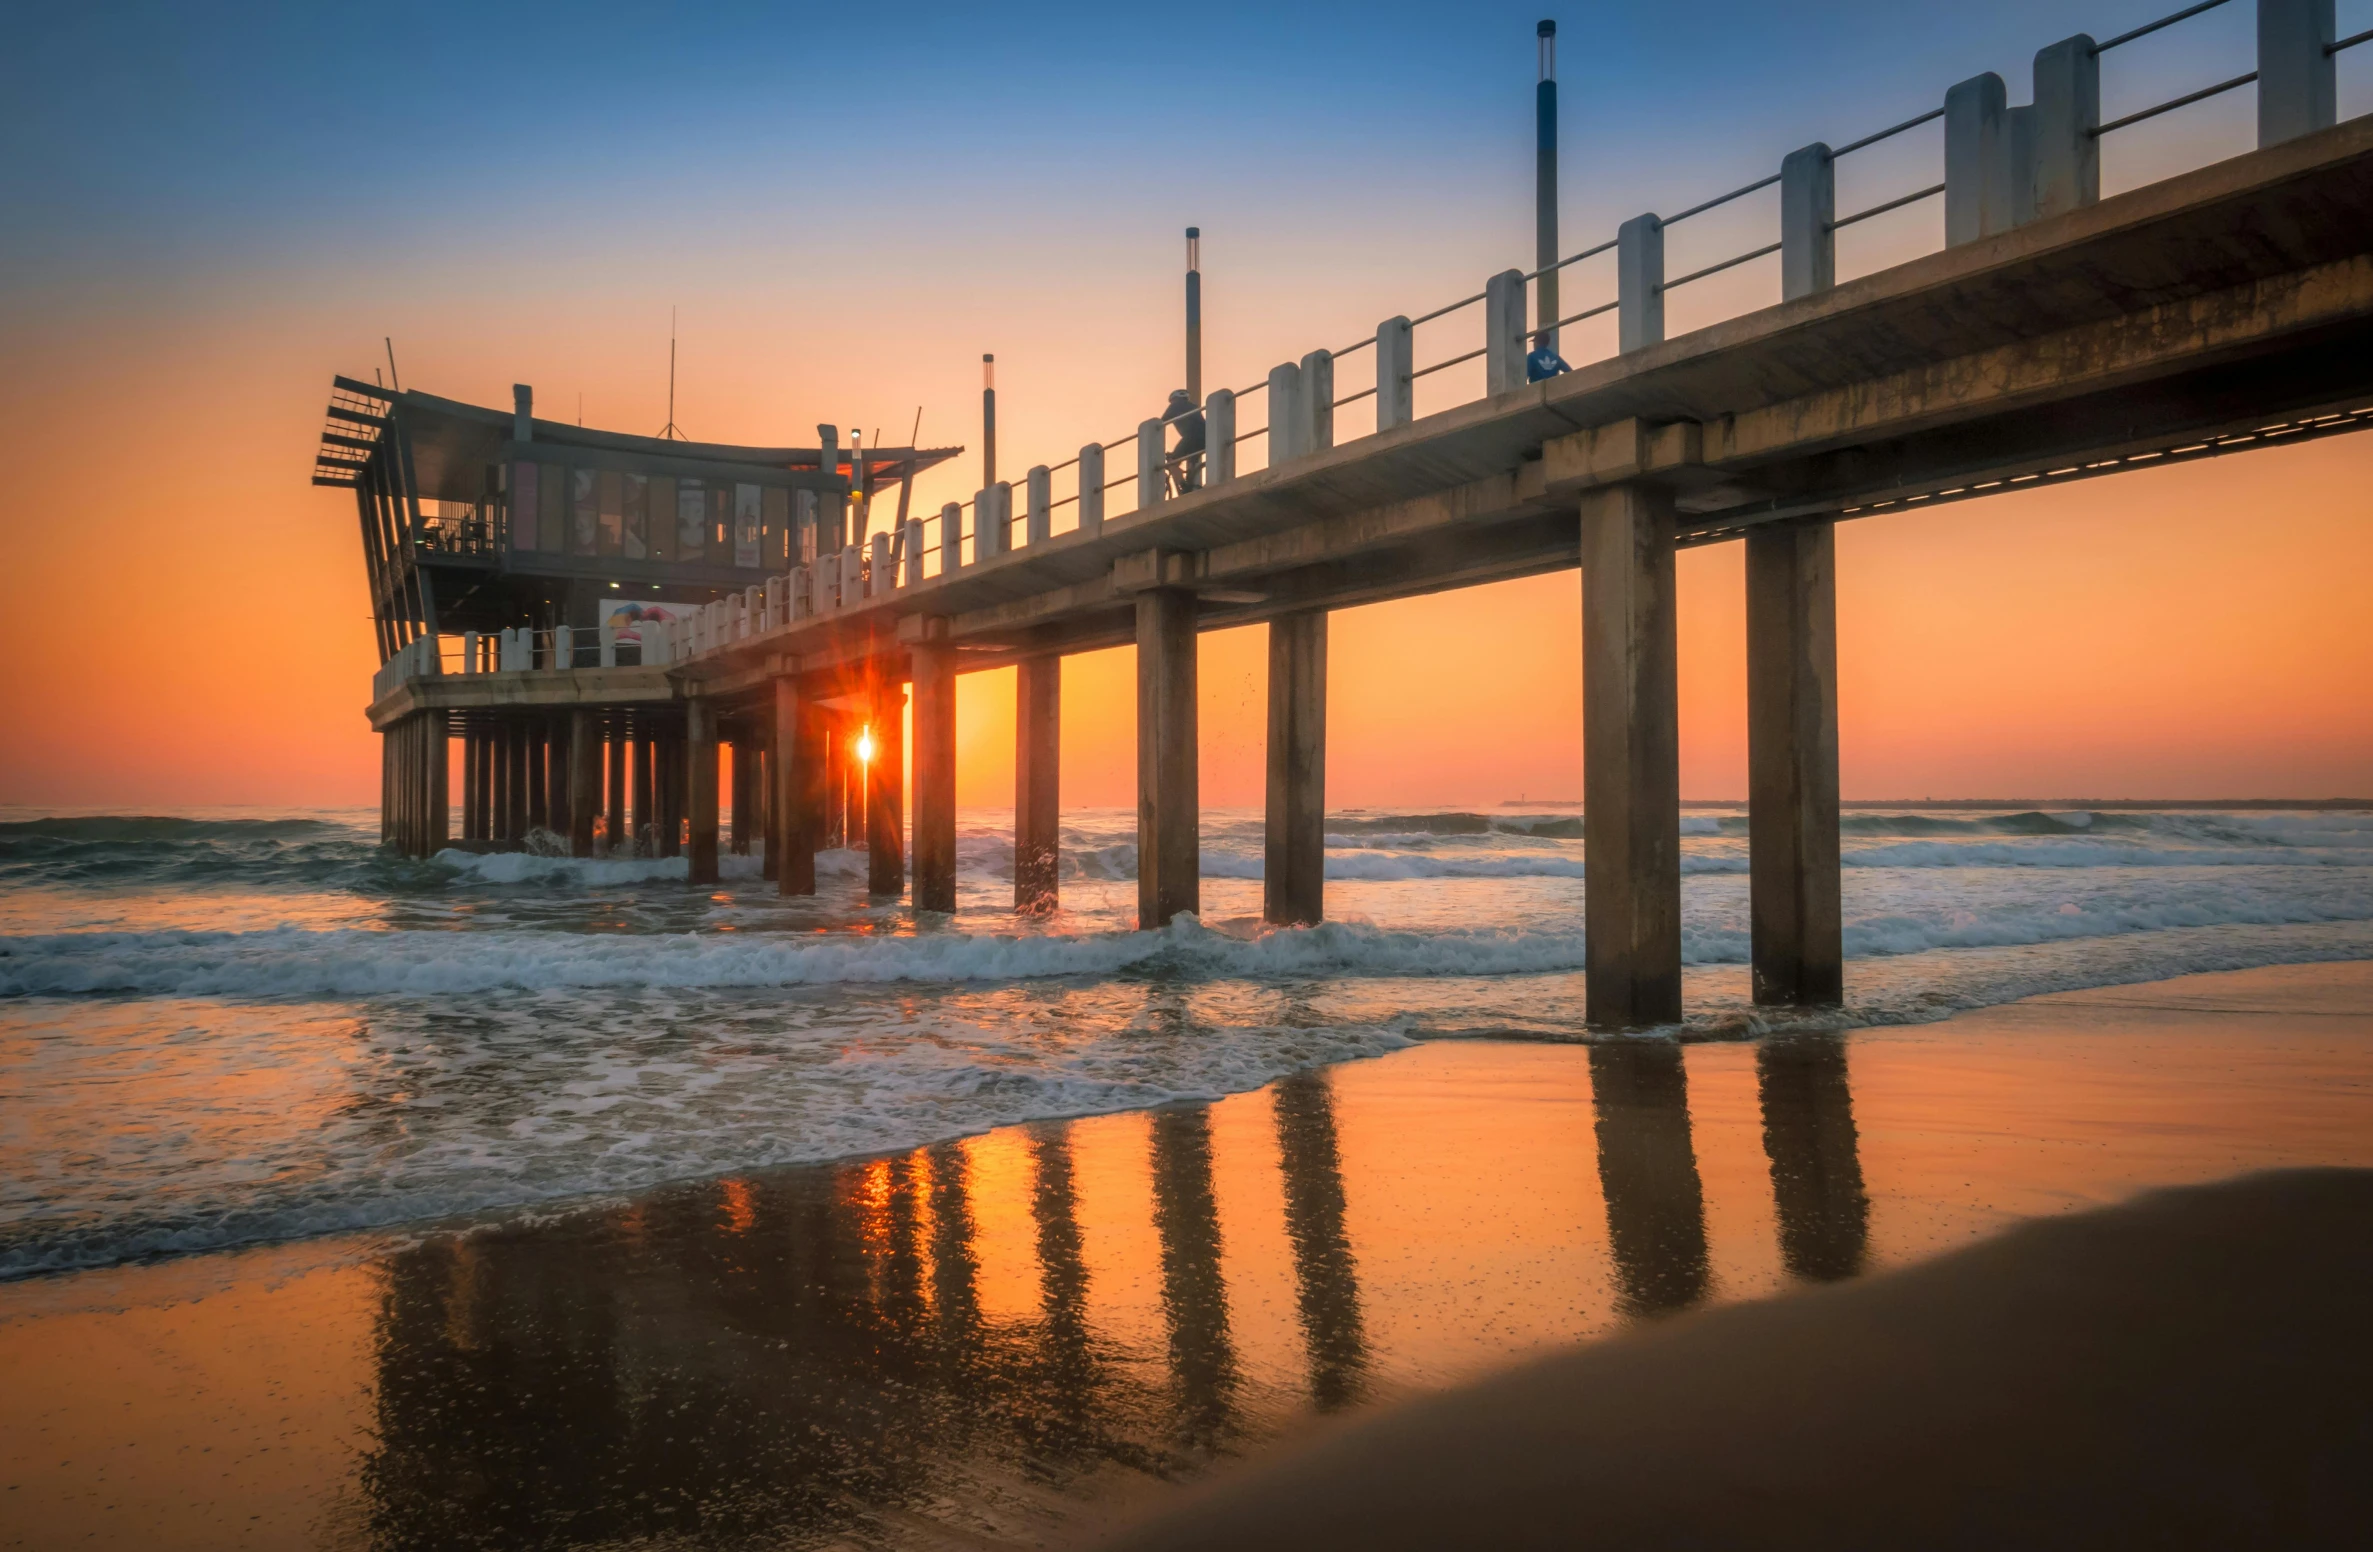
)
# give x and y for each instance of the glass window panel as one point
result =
(635, 502)
(585, 512)
(803, 507)
(663, 517)
(775, 536)
(612, 520)
(692, 509)
(745, 525)
(720, 522)
(552, 489)
(523, 506)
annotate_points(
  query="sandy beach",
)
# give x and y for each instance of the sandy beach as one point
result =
(1017, 1338)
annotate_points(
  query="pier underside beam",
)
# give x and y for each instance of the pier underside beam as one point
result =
(1037, 783)
(935, 772)
(1792, 824)
(798, 788)
(700, 778)
(885, 794)
(1631, 774)
(1293, 890)
(1169, 850)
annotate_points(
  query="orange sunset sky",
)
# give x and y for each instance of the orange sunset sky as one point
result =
(187, 615)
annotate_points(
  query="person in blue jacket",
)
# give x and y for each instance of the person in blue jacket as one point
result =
(1544, 362)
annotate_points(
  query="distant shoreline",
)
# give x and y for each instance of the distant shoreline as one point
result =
(2130, 805)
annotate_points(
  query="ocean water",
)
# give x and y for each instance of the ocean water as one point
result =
(226, 1028)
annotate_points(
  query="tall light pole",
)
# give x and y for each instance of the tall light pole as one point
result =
(1194, 319)
(988, 420)
(1545, 185)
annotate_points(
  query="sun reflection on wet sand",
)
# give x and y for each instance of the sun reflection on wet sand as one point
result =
(1006, 1336)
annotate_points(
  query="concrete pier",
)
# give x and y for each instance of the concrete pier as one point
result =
(1037, 783)
(645, 835)
(744, 803)
(798, 789)
(1631, 772)
(520, 804)
(1169, 849)
(585, 773)
(1792, 826)
(1293, 889)
(700, 780)
(935, 770)
(614, 809)
(885, 794)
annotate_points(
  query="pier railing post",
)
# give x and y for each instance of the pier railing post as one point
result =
(1503, 332)
(1792, 820)
(1286, 419)
(1152, 482)
(1038, 515)
(2297, 84)
(1808, 212)
(1318, 401)
(951, 538)
(1395, 388)
(1037, 783)
(700, 779)
(585, 774)
(910, 559)
(1219, 437)
(935, 769)
(1169, 849)
(1978, 159)
(1639, 283)
(2067, 112)
(1293, 874)
(1091, 488)
(1631, 784)
(1000, 525)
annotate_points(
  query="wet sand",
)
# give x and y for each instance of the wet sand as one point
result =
(1022, 1337)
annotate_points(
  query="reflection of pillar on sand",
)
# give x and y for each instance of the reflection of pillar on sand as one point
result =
(1194, 1294)
(1656, 1216)
(1326, 1276)
(1808, 1131)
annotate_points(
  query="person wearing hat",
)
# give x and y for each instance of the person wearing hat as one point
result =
(1544, 362)
(1186, 459)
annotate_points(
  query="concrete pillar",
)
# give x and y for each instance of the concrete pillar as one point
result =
(1792, 826)
(770, 813)
(1396, 390)
(1152, 489)
(469, 784)
(1631, 781)
(700, 781)
(1639, 283)
(521, 804)
(1808, 207)
(1169, 849)
(1293, 890)
(585, 774)
(1038, 504)
(744, 801)
(1318, 401)
(646, 815)
(998, 528)
(834, 831)
(539, 784)
(798, 789)
(1977, 159)
(1503, 332)
(1286, 419)
(1219, 437)
(440, 778)
(614, 816)
(935, 771)
(556, 776)
(878, 577)
(2297, 85)
(2067, 111)
(885, 793)
(910, 557)
(951, 538)
(1091, 488)
(1037, 783)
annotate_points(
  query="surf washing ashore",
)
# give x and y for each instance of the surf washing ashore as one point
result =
(256, 1029)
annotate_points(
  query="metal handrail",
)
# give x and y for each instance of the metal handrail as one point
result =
(1716, 269)
(2171, 104)
(2147, 28)
(1884, 206)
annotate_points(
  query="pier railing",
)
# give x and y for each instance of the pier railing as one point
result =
(1994, 167)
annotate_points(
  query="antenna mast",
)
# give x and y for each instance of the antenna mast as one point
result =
(669, 431)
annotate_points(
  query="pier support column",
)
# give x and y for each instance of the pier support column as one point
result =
(645, 834)
(700, 779)
(585, 772)
(885, 793)
(770, 817)
(518, 805)
(935, 770)
(539, 789)
(1169, 850)
(834, 813)
(1792, 826)
(1037, 783)
(614, 810)
(1631, 766)
(556, 777)
(798, 789)
(1293, 873)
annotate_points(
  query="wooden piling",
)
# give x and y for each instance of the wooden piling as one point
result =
(1631, 771)
(1795, 917)
(1169, 849)
(1293, 889)
(700, 775)
(935, 770)
(1037, 783)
